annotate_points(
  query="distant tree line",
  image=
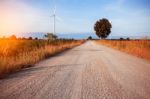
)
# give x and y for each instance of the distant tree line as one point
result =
(48, 36)
(14, 37)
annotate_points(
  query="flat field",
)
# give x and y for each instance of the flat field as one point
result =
(140, 48)
(17, 54)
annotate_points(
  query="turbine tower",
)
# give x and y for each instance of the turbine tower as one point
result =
(54, 18)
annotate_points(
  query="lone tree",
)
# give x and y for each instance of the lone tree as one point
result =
(51, 36)
(103, 28)
(13, 37)
(89, 38)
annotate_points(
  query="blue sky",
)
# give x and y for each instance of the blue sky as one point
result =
(128, 17)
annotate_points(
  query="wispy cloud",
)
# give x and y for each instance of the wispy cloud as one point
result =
(127, 21)
(16, 16)
(75, 15)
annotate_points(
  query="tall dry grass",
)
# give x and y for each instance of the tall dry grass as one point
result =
(18, 54)
(140, 48)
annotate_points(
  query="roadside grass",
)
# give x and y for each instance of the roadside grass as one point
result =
(139, 48)
(18, 54)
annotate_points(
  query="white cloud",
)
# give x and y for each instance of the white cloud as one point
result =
(19, 17)
(127, 21)
(131, 24)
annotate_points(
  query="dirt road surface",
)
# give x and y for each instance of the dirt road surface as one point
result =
(89, 71)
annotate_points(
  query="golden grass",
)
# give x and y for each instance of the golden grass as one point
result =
(18, 54)
(140, 48)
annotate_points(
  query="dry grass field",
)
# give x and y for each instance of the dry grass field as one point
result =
(18, 54)
(140, 48)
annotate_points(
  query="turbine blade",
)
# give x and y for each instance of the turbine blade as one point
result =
(54, 10)
(54, 7)
(59, 18)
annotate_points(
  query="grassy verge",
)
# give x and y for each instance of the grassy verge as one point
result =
(18, 54)
(140, 48)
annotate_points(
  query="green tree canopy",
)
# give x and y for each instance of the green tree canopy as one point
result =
(103, 28)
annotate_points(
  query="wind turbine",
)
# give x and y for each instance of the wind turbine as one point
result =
(55, 18)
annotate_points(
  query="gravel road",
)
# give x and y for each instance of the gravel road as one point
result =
(89, 71)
